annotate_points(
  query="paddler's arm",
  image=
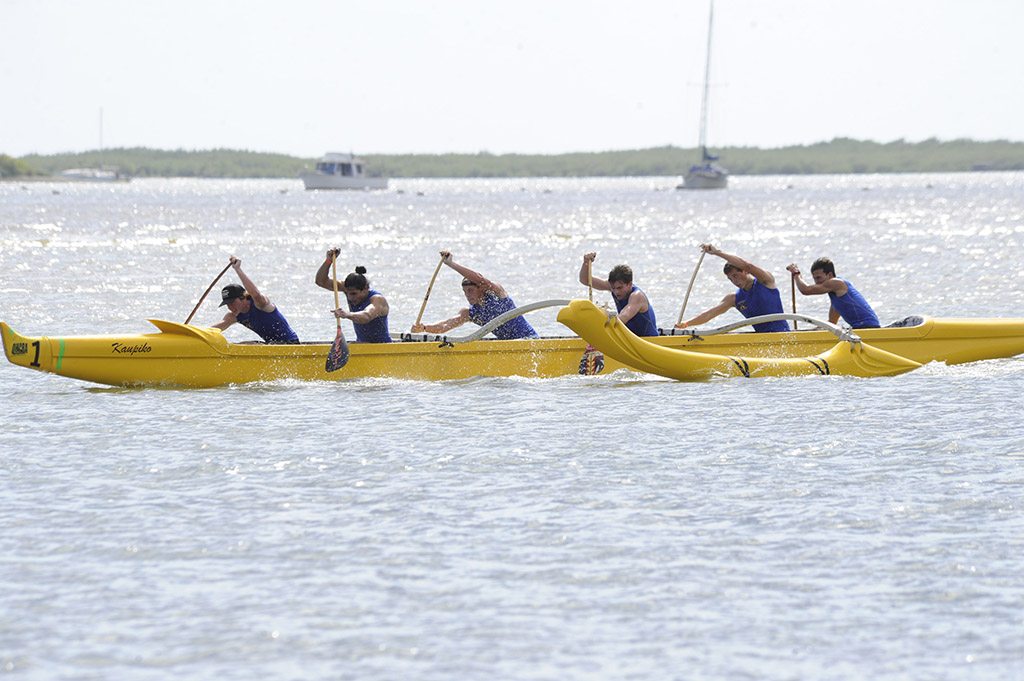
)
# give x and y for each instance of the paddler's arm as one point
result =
(709, 314)
(834, 285)
(587, 267)
(480, 280)
(762, 275)
(258, 299)
(446, 325)
(378, 307)
(323, 278)
(229, 319)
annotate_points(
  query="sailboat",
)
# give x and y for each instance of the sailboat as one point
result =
(100, 174)
(707, 174)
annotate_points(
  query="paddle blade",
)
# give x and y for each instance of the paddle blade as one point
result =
(338, 356)
(592, 362)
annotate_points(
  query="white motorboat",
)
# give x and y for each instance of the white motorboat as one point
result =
(341, 171)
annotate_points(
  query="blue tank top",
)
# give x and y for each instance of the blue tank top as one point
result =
(761, 300)
(375, 330)
(854, 310)
(272, 327)
(642, 323)
(494, 306)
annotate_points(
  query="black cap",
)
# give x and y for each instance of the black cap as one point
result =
(229, 293)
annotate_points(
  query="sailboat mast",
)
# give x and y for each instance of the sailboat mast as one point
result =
(707, 82)
(705, 174)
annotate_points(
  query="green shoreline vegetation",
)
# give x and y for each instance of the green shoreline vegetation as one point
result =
(839, 156)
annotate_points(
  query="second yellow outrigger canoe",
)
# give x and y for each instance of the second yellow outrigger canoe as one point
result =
(604, 331)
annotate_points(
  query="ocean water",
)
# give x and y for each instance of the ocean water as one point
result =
(609, 527)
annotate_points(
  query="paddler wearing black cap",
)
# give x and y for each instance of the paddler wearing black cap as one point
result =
(253, 310)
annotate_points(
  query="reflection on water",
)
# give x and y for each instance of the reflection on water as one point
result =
(612, 526)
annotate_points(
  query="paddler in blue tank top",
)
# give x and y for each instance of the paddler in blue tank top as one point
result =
(250, 308)
(755, 295)
(487, 299)
(846, 301)
(635, 310)
(367, 308)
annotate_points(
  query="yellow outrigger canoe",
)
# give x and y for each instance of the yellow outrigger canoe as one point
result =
(192, 356)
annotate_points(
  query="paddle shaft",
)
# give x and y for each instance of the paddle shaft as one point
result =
(430, 286)
(207, 292)
(792, 293)
(334, 278)
(689, 288)
(590, 280)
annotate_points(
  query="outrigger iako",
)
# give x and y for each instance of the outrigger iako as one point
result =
(192, 356)
(849, 356)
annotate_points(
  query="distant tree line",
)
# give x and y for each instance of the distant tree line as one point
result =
(142, 162)
(839, 156)
(16, 167)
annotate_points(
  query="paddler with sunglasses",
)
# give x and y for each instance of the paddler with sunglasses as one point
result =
(487, 300)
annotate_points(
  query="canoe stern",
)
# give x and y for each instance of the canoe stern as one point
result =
(36, 353)
(178, 355)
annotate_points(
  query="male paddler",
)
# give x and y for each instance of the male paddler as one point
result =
(846, 301)
(755, 295)
(635, 310)
(253, 310)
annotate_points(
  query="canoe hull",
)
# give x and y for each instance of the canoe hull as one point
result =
(188, 356)
(950, 340)
(204, 358)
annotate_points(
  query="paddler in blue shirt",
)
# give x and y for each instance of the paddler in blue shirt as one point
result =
(253, 310)
(755, 295)
(846, 301)
(487, 300)
(367, 308)
(635, 310)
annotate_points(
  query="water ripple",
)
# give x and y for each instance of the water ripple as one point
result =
(621, 526)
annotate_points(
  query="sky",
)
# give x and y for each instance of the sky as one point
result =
(531, 76)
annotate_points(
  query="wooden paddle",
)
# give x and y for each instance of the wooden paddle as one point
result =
(689, 288)
(338, 356)
(792, 293)
(592, 361)
(207, 292)
(590, 280)
(430, 286)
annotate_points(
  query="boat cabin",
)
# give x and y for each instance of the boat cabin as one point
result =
(341, 171)
(345, 165)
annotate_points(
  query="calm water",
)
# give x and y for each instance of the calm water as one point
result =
(609, 527)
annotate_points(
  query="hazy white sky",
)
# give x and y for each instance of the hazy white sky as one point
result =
(534, 76)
